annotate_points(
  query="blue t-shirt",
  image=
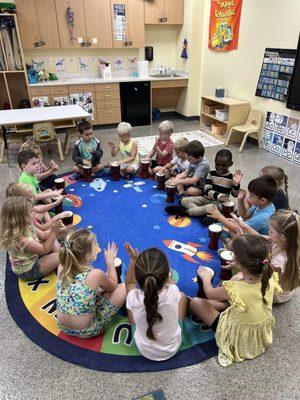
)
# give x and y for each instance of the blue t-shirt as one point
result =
(259, 218)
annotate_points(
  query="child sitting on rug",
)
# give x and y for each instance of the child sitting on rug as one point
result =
(45, 175)
(261, 193)
(179, 163)
(163, 147)
(220, 184)
(87, 150)
(156, 308)
(281, 200)
(32, 253)
(29, 164)
(191, 181)
(244, 329)
(128, 150)
(87, 298)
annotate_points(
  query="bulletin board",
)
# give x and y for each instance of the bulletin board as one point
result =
(275, 74)
(282, 136)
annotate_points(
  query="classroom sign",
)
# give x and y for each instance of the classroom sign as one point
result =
(224, 25)
(282, 136)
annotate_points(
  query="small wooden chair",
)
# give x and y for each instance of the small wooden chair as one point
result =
(252, 125)
(70, 134)
(44, 132)
(16, 137)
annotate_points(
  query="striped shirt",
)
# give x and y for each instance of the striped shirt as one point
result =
(219, 185)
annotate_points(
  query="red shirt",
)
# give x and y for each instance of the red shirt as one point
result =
(169, 146)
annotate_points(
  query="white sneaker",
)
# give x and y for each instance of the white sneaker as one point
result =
(223, 360)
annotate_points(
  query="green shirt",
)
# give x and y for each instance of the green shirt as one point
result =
(30, 180)
(83, 147)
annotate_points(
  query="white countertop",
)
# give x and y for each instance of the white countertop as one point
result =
(117, 79)
(41, 114)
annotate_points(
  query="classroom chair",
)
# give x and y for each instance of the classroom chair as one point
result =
(44, 132)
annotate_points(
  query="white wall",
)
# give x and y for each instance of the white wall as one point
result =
(264, 23)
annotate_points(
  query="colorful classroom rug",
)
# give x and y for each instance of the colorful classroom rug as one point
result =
(146, 143)
(119, 211)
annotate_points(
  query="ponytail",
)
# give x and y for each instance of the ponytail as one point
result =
(286, 184)
(266, 276)
(151, 304)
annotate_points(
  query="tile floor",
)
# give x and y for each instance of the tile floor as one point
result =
(28, 372)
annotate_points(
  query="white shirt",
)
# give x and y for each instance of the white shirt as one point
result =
(279, 260)
(167, 332)
(182, 164)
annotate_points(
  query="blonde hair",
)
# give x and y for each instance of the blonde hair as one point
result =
(181, 144)
(166, 126)
(124, 128)
(278, 175)
(75, 247)
(30, 145)
(18, 189)
(14, 220)
(287, 223)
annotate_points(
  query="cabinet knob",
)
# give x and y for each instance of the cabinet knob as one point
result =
(163, 19)
(39, 43)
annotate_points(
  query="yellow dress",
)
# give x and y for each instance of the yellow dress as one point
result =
(245, 328)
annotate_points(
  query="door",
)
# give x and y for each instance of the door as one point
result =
(173, 11)
(28, 23)
(136, 24)
(119, 15)
(47, 22)
(98, 23)
(153, 11)
(69, 39)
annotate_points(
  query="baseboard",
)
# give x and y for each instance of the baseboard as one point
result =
(177, 114)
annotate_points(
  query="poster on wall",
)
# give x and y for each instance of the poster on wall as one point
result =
(282, 136)
(84, 100)
(224, 24)
(119, 22)
(275, 74)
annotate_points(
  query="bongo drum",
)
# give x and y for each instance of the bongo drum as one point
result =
(201, 292)
(115, 171)
(60, 184)
(228, 208)
(160, 178)
(170, 192)
(214, 234)
(58, 209)
(68, 218)
(225, 256)
(87, 171)
(118, 266)
(144, 171)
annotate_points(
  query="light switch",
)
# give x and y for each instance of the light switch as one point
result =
(94, 40)
(80, 40)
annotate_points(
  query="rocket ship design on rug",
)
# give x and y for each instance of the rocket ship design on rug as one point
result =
(189, 250)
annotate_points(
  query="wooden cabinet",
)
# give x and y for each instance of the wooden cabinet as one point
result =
(134, 24)
(65, 34)
(38, 24)
(98, 23)
(167, 12)
(108, 103)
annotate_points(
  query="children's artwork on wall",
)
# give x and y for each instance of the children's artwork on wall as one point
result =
(41, 101)
(275, 74)
(119, 22)
(282, 136)
(84, 100)
(61, 101)
(224, 25)
(132, 63)
(60, 64)
(118, 63)
(40, 63)
(83, 64)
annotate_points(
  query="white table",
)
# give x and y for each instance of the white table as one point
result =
(40, 114)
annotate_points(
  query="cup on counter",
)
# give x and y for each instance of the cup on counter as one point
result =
(214, 231)
(87, 171)
(201, 292)
(115, 171)
(59, 183)
(118, 266)
(160, 178)
(228, 208)
(225, 257)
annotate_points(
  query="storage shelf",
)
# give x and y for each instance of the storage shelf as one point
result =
(13, 72)
(212, 116)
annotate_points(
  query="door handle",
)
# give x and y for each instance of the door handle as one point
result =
(40, 43)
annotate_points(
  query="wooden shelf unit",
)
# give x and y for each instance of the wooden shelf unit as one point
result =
(238, 111)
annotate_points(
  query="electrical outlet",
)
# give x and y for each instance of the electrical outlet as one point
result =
(94, 40)
(80, 40)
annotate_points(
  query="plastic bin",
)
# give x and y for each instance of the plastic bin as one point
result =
(222, 114)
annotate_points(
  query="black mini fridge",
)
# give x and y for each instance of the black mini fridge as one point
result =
(135, 102)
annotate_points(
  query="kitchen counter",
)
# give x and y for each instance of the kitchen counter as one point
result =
(93, 80)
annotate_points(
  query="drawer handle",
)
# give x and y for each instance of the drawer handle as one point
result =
(39, 43)
(163, 19)
(107, 95)
(108, 112)
(108, 104)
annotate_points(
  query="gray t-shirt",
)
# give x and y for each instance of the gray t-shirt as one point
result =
(201, 169)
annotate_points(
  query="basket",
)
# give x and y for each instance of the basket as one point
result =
(209, 109)
(217, 129)
(222, 114)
